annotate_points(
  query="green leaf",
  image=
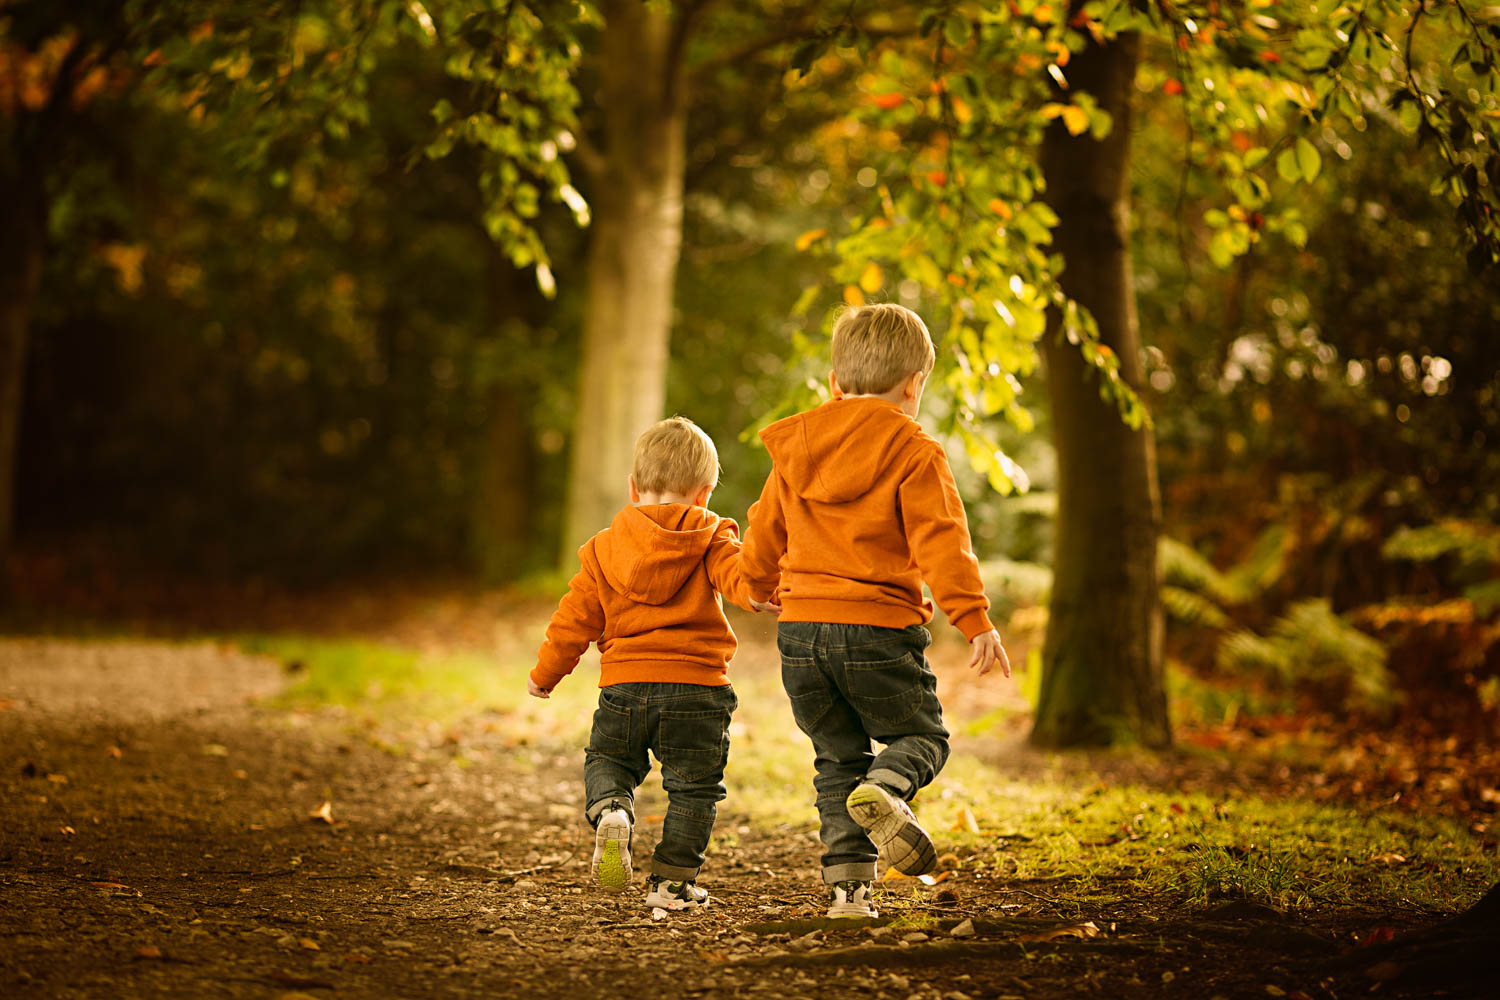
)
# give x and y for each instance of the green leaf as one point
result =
(1309, 160)
(1287, 166)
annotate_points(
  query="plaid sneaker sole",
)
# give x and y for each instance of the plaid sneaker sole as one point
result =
(889, 821)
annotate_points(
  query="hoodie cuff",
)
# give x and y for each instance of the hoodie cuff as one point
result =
(545, 679)
(972, 623)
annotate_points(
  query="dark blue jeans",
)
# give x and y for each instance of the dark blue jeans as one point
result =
(686, 726)
(850, 684)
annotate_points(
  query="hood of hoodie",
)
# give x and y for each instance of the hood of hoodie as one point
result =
(649, 552)
(836, 452)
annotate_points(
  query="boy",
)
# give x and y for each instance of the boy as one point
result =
(646, 593)
(860, 508)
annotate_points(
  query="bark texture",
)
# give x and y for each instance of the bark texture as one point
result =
(1102, 661)
(22, 244)
(635, 243)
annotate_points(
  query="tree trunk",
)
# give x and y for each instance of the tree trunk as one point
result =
(1102, 660)
(635, 242)
(22, 244)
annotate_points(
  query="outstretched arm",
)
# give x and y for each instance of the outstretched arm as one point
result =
(723, 561)
(578, 621)
(765, 543)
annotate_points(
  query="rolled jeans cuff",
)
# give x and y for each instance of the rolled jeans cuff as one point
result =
(895, 781)
(599, 808)
(673, 872)
(861, 871)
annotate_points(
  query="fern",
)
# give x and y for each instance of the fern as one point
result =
(1261, 570)
(1476, 543)
(1312, 646)
(1192, 609)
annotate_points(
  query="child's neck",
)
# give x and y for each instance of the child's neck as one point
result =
(647, 499)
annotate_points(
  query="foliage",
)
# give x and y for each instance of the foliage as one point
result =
(1311, 646)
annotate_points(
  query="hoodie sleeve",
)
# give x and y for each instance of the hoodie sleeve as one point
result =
(765, 542)
(724, 564)
(938, 533)
(578, 621)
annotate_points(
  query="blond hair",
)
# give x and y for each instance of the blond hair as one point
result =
(675, 456)
(876, 346)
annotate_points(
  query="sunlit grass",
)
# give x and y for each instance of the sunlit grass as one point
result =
(1082, 843)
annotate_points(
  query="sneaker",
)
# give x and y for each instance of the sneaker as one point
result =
(890, 823)
(674, 895)
(850, 898)
(612, 850)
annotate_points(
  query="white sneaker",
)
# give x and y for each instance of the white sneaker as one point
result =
(851, 898)
(889, 821)
(674, 895)
(612, 850)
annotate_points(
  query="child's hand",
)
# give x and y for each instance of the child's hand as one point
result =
(533, 689)
(766, 607)
(989, 652)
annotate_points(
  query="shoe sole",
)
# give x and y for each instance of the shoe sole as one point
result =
(612, 856)
(907, 847)
(851, 910)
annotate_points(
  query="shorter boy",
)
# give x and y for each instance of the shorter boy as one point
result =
(647, 593)
(859, 510)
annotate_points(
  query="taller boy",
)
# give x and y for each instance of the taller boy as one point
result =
(860, 508)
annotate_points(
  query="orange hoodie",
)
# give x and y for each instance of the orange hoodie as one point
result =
(645, 592)
(859, 509)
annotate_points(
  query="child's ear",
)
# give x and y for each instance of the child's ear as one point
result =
(700, 499)
(833, 386)
(635, 494)
(914, 384)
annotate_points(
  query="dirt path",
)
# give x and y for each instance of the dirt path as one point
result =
(157, 841)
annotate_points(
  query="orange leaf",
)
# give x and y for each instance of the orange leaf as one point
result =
(888, 101)
(938, 177)
(1000, 208)
(1172, 88)
(872, 278)
(324, 812)
(1088, 929)
(810, 237)
(309, 944)
(1075, 119)
(148, 951)
(852, 295)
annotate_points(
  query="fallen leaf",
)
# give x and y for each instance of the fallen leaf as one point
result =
(309, 944)
(324, 812)
(1389, 858)
(215, 750)
(66, 831)
(653, 818)
(148, 951)
(58, 779)
(892, 875)
(1087, 929)
(357, 956)
(108, 885)
(1274, 990)
(927, 880)
(1379, 935)
(6, 704)
(966, 822)
(115, 752)
(239, 773)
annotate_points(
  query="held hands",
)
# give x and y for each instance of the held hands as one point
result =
(540, 692)
(989, 652)
(766, 607)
